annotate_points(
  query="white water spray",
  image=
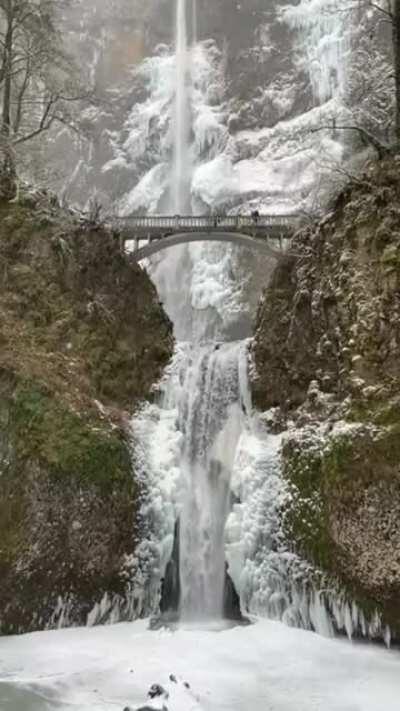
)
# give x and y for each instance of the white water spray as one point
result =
(181, 171)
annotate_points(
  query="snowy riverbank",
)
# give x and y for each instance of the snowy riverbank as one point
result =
(264, 666)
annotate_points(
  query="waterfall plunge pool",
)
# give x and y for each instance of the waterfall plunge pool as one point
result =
(265, 666)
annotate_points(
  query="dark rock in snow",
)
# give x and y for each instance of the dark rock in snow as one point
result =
(170, 584)
(157, 690)
(231, 599)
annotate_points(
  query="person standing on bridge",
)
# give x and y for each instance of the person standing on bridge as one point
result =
(255, 216)
(216, 218)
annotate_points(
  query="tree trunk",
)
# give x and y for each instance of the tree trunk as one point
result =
(396, 51)
(8, 174)
(8, 49)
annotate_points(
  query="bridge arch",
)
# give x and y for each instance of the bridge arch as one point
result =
(273, 248)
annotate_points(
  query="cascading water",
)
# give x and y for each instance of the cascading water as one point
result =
(194, 22)
(212, 426)
(181, 173)
(203, 390)
(186, 446)
(209, 413)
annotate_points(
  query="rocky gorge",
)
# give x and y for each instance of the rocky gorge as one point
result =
(85, 339)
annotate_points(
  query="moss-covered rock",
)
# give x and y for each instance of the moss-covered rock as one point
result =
(333, 314)
(327, 357)
(82, 340)
(344, 510)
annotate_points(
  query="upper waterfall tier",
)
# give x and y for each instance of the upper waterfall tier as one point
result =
(180, 186)
(262, 77)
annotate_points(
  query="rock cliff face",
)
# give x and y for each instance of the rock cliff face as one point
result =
(83, 339)
(327, 361)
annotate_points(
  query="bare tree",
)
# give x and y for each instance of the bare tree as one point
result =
(395, 19)
(372, 94)
(39, 84)
(389, 10)
(389, 13)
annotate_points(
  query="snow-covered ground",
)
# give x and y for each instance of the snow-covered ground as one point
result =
(265, 666)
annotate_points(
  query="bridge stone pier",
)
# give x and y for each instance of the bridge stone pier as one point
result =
(142, 237)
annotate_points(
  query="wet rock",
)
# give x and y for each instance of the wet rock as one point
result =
(231, 599)
(170, 584)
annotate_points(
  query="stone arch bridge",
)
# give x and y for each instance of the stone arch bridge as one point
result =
(142, 237)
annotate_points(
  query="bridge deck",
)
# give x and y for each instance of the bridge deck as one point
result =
(159, 232)
(152, 226)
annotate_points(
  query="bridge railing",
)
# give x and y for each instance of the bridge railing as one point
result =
(207, 222)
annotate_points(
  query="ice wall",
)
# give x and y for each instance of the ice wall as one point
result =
(325, 30)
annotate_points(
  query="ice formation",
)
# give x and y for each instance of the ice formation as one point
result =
(325, 41)
(205, 458)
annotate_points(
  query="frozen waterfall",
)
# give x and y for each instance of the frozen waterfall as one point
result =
(202, 392)
(213, 491)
